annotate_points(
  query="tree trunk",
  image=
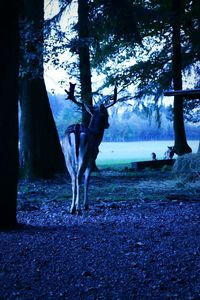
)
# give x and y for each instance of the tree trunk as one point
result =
(9, 49)
(84, 61)
(198, 150)
(180, 146)
(40, 154)
(40, 150)
(84, 58)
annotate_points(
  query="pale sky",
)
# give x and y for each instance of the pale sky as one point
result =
(52, 76)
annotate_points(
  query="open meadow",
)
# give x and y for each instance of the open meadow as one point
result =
(112, 153)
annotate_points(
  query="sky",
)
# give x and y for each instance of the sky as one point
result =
(53, 76)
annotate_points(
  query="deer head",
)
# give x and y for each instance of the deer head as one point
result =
(99, 114)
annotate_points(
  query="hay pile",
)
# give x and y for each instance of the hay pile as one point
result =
(187, 167)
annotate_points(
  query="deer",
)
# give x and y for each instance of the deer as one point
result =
(81, 147)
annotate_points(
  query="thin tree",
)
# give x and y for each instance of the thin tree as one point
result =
(84, 60)
(9, 60)
(84, 57)
(180, 146)
(40, 150)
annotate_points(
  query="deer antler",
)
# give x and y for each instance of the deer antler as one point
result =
(114, 97)
(71, 96)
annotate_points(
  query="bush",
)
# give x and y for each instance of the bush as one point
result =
(187, 167)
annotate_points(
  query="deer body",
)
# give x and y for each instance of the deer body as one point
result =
(81, 147)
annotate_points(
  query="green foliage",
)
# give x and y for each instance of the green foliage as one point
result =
(130, 41)
(151, 68)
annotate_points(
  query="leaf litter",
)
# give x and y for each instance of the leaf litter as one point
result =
(139, 240)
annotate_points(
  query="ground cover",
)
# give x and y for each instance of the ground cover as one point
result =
(139, 240)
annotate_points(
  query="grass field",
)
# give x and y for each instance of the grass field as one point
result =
(125, 153)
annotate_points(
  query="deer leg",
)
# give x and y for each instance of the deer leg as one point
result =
(78, 185)
(73, 183)
(86, 184)
(78, 209)
(73, 207)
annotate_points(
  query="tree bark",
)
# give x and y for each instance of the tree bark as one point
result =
(198, 150)
(84, 61)
(40, 154)
(84, 58)
(9, 62)
(40, 150)
(181, 147)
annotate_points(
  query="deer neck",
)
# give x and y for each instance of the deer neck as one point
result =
(97, 130)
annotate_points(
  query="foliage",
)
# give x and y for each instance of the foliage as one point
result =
(151, 69)
(192, 111)
(61, 41)
(130, 42)
(31, 49)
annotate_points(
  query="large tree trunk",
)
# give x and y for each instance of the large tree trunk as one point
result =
(40, 153)
(40, 150)
(180, 146)
(9, 32)
(84, 58)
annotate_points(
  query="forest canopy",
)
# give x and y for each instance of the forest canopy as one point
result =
(130, 44)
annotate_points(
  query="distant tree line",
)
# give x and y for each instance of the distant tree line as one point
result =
(135, 128)
(126, 124)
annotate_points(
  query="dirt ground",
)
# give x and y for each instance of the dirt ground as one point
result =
(139, 240)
